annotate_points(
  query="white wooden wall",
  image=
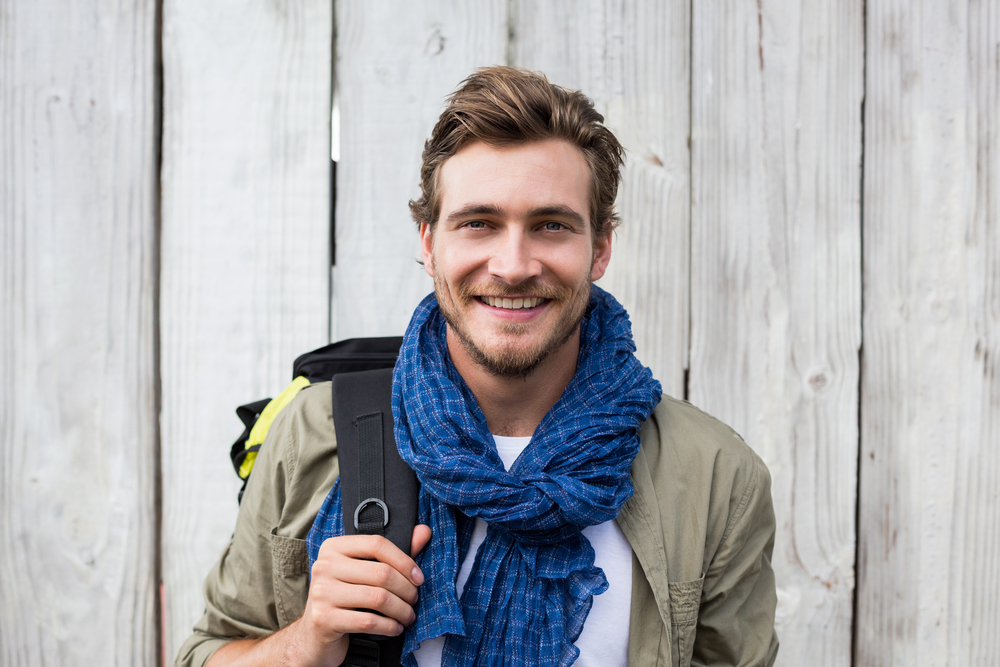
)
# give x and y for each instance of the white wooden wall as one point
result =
(811, 251)
(929, 557)
(775, 281)
(78, 265)
(245, 248)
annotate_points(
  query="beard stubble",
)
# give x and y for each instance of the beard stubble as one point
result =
(511, 361)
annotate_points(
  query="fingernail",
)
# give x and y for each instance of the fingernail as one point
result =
(417, 575)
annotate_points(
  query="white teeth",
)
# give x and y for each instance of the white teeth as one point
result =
(512, 304)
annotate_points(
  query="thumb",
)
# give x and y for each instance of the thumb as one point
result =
(421, 536)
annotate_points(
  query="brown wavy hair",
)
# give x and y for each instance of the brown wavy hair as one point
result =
(507, 106)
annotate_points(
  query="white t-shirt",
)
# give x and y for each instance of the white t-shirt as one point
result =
(604, 640)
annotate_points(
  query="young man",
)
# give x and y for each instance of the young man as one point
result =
(569, 515)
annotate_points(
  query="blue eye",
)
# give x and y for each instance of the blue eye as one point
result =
(476, 224)
(553, 226)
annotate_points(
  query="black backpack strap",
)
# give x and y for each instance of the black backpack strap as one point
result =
(363, 651)
(378, 490)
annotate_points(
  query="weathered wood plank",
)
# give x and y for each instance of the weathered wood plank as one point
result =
(776, 261)
(245, 250)
(396, 62)
(929, 557)
(632, 58)
(77, 274)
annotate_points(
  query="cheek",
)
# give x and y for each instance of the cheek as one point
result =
(580, 270)
(456, 265)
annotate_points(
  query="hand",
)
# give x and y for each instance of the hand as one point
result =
(352, 576)
(351, 573)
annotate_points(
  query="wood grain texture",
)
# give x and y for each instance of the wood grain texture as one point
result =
(775, 292)
(631, 58)
(396, 63)
(245, 250)
(77, 272)
(929, 556)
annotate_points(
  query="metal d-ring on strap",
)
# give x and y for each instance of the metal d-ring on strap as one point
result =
(365, 503)
(371, 482)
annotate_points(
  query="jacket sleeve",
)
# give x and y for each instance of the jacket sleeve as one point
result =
(736, 618)
(260, 583)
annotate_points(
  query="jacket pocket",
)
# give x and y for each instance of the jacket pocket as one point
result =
(290, 570)
(685, 600)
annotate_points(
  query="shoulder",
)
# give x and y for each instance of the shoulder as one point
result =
(684, 440)
(308, 415)
(297, 463)
(699, 483)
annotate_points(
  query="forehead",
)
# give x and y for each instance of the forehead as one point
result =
(543, 173)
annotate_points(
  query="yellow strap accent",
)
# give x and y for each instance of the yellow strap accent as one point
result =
(263, 425)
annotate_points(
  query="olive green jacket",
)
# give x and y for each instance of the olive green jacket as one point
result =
(701, 527)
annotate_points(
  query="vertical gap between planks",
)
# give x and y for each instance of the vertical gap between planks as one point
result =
(690, 203)
(159, 613)
(335, 135)
(861, 346)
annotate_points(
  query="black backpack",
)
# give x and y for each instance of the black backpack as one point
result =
(360, 371)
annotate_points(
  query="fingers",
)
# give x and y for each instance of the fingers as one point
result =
(337, 620)
(371, 624)
(358, 573)
(354, 577)
(375, 548)
(357, 584)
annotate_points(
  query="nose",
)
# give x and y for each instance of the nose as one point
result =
(513, 260)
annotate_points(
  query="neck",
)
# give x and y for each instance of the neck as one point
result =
(515, 406)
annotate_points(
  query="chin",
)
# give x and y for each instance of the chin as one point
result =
(510, 360)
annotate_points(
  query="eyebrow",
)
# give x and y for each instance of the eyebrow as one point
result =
(559, 210)
(491, 209)
(475, 209)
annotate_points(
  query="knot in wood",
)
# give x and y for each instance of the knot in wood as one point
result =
(818, 381)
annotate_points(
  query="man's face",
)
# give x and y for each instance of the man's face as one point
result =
(513, 253)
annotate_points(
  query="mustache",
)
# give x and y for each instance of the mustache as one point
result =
(496, 288)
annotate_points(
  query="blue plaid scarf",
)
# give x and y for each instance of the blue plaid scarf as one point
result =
(533, 581)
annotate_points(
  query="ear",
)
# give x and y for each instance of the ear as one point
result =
(602, 255)
(427, 247)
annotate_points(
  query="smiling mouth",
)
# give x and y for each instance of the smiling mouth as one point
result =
(519, 303)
